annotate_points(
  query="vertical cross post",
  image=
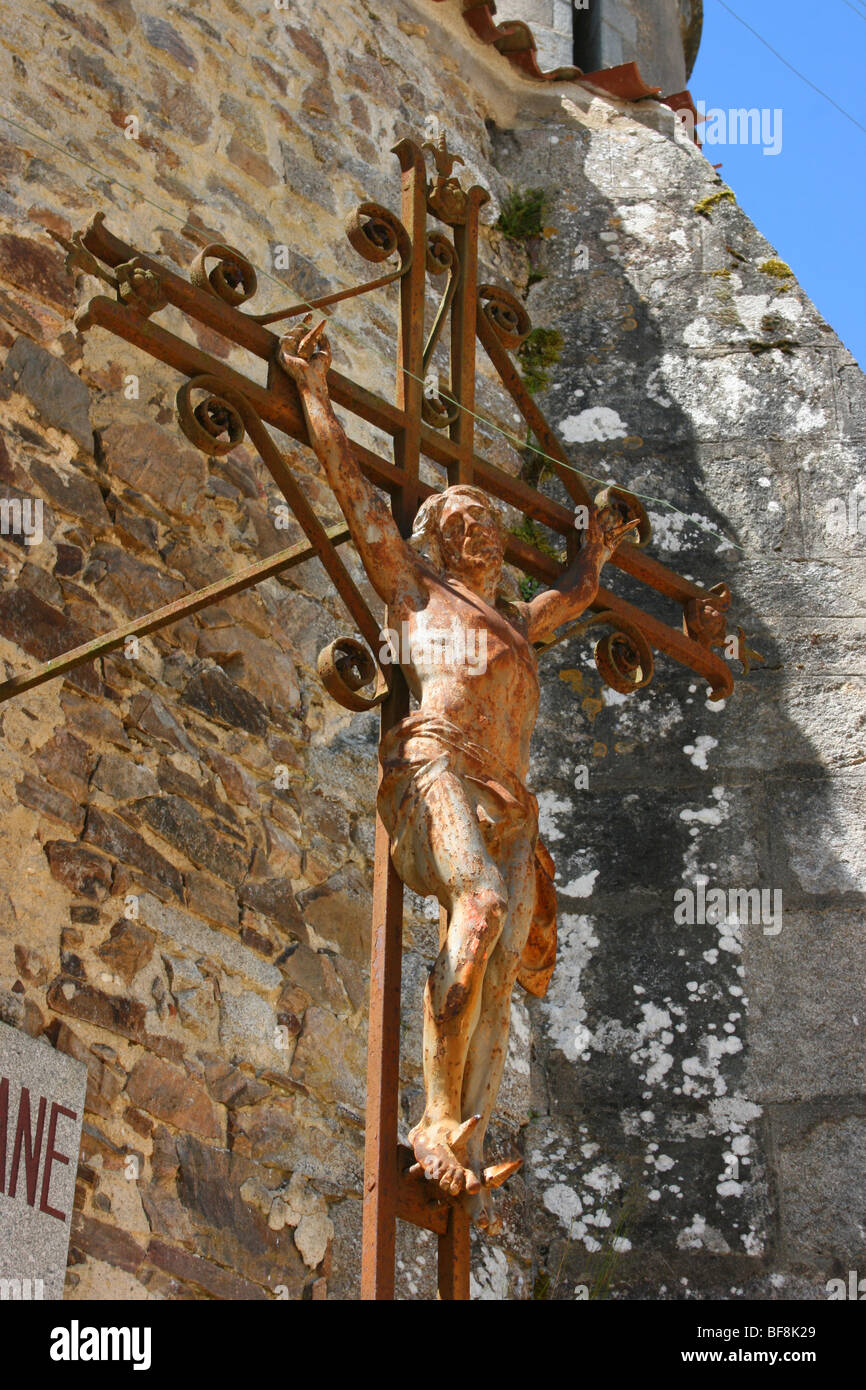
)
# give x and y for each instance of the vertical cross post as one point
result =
(383, 1066)
(463, 316)
(382, 1172)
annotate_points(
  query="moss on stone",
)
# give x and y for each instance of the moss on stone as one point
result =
(540, 351)
(523, 214)
(529, 530)
(706, 205)
(777, 268)
(785, 345)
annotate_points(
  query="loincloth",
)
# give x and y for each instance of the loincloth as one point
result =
(414, 754)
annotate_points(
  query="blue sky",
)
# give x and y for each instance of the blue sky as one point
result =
(810, 199)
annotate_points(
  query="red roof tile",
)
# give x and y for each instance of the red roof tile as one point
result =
(514, 40)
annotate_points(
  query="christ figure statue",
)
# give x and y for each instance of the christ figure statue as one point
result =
(463, 826)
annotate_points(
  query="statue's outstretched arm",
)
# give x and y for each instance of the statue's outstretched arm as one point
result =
(576, 588)
(390, 563)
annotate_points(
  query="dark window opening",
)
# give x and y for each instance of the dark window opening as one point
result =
(587, 35)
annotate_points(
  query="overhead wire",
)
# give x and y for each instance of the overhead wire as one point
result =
(352, 333)
(796, 71)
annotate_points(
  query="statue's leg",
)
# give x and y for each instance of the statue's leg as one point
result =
(471, 888)
(487, 1051)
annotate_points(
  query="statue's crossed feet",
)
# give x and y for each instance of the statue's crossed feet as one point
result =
(440, 1148)
(480, 1204)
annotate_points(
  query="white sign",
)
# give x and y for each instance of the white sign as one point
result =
(41, 1110)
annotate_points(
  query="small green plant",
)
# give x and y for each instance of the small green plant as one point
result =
(537, 354)
(524, 213)
(529, 530)
(541, 1288)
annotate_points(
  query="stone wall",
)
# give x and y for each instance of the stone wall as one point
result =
(661, 36)
(187, 839)
(705, 1084)
(551, 22)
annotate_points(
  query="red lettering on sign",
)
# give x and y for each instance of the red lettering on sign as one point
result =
(52, 1156)
(4, 1115)
(32, 1147)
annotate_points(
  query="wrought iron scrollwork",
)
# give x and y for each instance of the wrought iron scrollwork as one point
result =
(216, 425)
(623, 657)
(624, 506)
(345, 667)
(373, 231)
(506, 314)
(442, 259)
(704, 619)
(232, 279)
(216, 416)
(376, 233)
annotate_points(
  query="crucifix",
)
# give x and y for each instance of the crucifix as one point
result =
(455, 819)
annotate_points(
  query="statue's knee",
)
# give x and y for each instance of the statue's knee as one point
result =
(487, 914)
(504, 967)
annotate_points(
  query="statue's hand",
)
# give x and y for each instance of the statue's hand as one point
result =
(305, 354)
(605, 531)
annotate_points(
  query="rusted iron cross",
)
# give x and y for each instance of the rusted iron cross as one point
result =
(218, 406)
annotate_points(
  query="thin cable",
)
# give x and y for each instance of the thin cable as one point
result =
(856, 10)
(796, 71)
(142, 197)
(517, 443)
(521, 444)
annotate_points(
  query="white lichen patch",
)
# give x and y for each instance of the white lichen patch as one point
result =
(670, 527)
(603, 1180)
(517, 1059)
(698, 333)
(550, 806)
(654, 389)
(564, 1006)
(752, 308)
(488, 1280)
(697, 751)
(580, 887)
(702, 1074)
(700, 1236)
(708, 815)
(564, 1203)
(598, 422)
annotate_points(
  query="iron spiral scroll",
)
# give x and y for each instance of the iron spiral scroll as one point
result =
(218, 423)
(623, 656)
(372, 230)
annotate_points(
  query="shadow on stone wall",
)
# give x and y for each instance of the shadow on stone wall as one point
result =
(698, 1104)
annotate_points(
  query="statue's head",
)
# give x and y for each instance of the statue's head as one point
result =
(461, 530)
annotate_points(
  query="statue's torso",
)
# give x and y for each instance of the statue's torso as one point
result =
(466, 661)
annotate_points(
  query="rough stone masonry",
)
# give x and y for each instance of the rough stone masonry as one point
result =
(186, 841)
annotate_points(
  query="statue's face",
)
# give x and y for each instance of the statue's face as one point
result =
(469, 535)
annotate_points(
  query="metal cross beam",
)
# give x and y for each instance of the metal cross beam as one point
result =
(439, 426)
